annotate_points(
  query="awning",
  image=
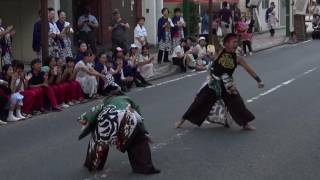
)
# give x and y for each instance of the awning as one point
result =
(201, 1)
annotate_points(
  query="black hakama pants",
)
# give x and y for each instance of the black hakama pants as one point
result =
(206, 98)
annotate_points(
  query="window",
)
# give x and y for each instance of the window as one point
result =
(265, 4)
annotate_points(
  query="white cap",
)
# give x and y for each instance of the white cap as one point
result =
(119, 49)
(133, 46)
(202, 38)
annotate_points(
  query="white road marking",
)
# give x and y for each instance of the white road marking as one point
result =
(304, 42)
(170, 81)
(309, 71)
(160, 145)
(273, 89)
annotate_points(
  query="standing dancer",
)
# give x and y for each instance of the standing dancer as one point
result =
(221, 86)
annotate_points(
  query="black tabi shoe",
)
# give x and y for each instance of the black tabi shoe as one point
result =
(148, 172)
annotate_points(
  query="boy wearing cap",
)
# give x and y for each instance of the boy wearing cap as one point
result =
(201, 51)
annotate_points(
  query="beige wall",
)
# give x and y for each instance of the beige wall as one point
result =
(22, 14)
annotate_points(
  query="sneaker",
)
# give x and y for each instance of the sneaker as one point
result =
(3, 122)
(21, 117)
(250, 53)
(27, 115)
(13, 119)
(57, 109)
(70, 103)
(65, 106)
(76, 102)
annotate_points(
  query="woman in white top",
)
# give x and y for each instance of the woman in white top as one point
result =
(140, 33)
(145, 63)
(87, 76)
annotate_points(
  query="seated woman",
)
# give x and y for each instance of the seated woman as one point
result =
(55, 81)
(117, 121)
(125, 82)
(202, 60)
(104, 66)
(145, 63)
(179, 58)
(14, 99)
(132, 68)
(83, 47)
(38, 84)
(87, 76)
(74, 92)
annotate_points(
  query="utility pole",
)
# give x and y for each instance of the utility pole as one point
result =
(288, 14)
(44, 29)
(186, 15)
(210, 11)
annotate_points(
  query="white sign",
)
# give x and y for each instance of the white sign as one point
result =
(300, 7)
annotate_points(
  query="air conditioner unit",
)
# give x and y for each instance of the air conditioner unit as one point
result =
(254, 3)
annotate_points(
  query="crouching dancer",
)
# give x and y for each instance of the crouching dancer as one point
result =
(221, 86)
(117, 121)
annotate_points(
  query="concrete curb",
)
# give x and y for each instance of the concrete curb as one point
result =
(270, 47)
(173, 70)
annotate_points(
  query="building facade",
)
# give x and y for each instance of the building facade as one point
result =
(23, 14)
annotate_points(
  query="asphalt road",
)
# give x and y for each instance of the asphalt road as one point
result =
(285, 146)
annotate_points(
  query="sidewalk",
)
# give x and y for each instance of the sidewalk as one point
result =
(260, 42)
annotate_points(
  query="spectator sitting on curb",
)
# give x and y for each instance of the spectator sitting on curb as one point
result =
(133, 67)
(104, 67)
(145, 63)
(74, 93)
(39, 83)
(15, 98)
(83, 47)
(87, 76)
(120, 65)
(202, 60)
(179, 58)
(20, 95)
(190, 48)
(54, 80)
